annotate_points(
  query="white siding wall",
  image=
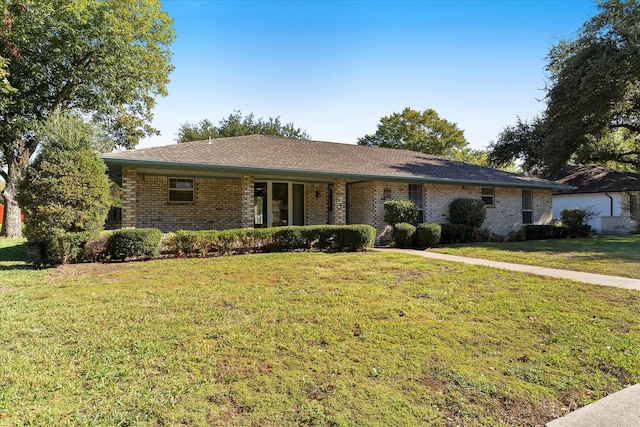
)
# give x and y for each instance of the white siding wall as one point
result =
(599, 202)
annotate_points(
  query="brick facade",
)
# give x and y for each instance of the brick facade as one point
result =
(247, 214)
(228, 203)
(316, 204)
(339, 202)
(217, 205)
(129, 197)
(366, 205)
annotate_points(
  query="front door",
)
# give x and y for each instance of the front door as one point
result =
(278, 204)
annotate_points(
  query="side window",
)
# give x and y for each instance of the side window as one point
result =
(415, 195)
(487, 196)
(527, 207)
(181, 190)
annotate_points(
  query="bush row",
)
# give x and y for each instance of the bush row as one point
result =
(430, 234)
(115, 245)
(543, 232)
(425, 235)
(144, 243)
(330, 238)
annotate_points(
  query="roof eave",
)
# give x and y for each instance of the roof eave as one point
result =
(300, 173)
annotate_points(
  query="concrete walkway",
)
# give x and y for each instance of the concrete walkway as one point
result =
(621, 409)
(595, 279)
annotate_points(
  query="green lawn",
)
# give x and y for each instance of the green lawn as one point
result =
(305, 339)
(613, 255)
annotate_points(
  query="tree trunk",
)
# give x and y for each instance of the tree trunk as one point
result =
(11, 226)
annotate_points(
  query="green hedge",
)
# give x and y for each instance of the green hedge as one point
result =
(399, 211)
(62, 248)
(190, 243)
(545, 232)
(330, 238)
(404, 235)
(470, 212)
(456, 233)
(134, 243)
(428, 234)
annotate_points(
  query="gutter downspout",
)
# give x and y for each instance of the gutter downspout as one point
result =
(611, 203)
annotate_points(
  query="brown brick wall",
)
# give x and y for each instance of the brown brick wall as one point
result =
(217, 205)
(339, 202)
(228, 203)
(361, 205)
(316, 210)
(505, 216)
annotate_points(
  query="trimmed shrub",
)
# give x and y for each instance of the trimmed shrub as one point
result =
(573, 217)
(353, 238)
(290, 238)
(428, 234)
(201, 243)
(456, 233)
(404, 235)
(95, 250)
(62, 248)
(469, 212)
(545, 232)
(134, 243)
(398, 211)
(576, 221)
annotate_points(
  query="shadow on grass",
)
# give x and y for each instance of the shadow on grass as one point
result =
(14, 252)
(14, 257)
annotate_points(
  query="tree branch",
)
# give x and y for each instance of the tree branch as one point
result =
(625, 126)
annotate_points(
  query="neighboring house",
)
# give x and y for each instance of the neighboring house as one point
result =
(612, 195)
(260, 181)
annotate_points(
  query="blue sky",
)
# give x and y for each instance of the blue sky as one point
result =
(334, 68)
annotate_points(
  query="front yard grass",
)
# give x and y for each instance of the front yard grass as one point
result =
(307, 339)
(612, 255)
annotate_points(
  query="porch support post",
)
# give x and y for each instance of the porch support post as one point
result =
(129, 199)
(247, 201)
(339, 202)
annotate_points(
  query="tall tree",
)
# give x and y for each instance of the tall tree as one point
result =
(595, 86)
(522, 142)
(237, 125)
(422, 131)
(65, 191)
(593, 98)
(107, 59)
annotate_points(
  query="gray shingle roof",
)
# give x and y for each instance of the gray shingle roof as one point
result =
(260, 154)
(596, 179)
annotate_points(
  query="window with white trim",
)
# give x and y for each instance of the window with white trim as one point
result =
(527, 207)
(181, 190)
(487, 195)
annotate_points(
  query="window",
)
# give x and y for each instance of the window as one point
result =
(415, 195)
(181, 190)
(527, 207)
(386, 194)
(278, 204)
(487, 196)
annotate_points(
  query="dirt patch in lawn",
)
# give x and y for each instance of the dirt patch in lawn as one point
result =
(63, 273)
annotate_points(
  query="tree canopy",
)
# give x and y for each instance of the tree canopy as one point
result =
(106, 59)
(593, 98)
(65, 191)
(422, 131)
(238, 125)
